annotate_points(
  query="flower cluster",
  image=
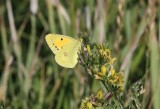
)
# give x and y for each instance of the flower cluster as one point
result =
(98, 61)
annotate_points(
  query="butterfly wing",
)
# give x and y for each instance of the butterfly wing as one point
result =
(65, 49)
(56, 41)
(67, 56)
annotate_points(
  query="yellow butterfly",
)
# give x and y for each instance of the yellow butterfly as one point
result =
(65, 49)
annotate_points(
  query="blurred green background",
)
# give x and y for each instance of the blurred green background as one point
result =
(31, 79)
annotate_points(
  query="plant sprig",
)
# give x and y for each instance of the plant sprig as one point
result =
(99, 63)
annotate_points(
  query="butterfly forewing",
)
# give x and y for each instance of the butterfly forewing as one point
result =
(56, 42)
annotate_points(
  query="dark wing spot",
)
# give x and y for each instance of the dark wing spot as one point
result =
(56, 47)
(61, 39)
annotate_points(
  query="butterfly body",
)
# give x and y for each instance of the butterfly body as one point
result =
(65, 49)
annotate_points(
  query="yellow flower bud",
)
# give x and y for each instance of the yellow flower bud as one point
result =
(89, 105)
(103, 70)
(99, 94)
(113, 72)
(112, 60)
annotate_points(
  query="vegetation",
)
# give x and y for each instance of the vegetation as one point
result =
(119, 61)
